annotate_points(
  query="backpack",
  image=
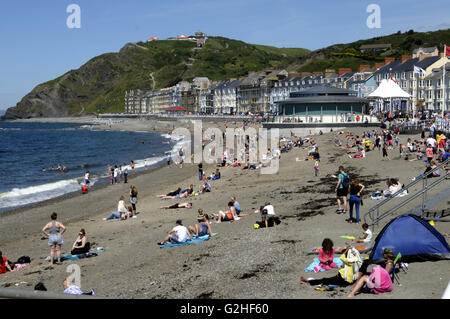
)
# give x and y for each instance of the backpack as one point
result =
(24, 260)
(345, 181)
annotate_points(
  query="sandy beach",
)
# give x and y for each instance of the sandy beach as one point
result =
(238, 262)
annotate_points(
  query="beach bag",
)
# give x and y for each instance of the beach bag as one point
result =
(345, 181)
(24, 260)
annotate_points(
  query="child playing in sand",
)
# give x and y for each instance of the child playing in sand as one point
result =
(316, 168)
(326, 255)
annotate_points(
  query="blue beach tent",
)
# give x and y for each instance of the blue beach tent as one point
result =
(413, 237)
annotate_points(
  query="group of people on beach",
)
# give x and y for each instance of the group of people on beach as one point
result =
(119, 172)
(125, 211)
(54, 231)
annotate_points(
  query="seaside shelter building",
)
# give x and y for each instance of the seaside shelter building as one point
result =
(322, 104)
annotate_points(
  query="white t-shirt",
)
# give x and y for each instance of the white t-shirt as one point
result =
(431, 141)
(182, 233)
(86, 176)
(116, 172)
(121, 207)
(270, 210)
(369, 236)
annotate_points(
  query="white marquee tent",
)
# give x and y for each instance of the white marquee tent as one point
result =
(389, 89)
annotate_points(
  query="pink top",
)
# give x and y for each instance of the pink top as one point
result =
(429, 152)
(323, 255)
(379, 280)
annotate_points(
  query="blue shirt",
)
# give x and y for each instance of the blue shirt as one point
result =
(237, 206)
(445, 156)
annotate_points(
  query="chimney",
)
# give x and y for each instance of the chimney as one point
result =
(378, 65)
(363, 67)
(342, 71)
(388, 60)
(406, 57)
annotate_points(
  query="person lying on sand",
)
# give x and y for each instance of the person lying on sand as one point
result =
(182, 194)
(174, 193)
(178, 205)
(121, 213)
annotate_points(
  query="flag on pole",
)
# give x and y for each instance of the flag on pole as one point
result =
(446, 50)
(419, 71)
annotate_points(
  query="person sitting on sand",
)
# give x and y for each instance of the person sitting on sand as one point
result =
(206, 187)
(4, 265)
(345, 276)
(121, 213)
(178, 205)
(379, 281)
(229, 215)
(56, 229)
(393, 187)
(215, 175)
(81, 245)
(203, 227)
(236, 205)
(419, 156)
(178, 234)
(326, 255)
(72, 289)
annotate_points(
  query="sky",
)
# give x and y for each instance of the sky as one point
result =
(36, 44)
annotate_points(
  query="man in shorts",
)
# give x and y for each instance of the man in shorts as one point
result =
(342, 190)
(179, 234)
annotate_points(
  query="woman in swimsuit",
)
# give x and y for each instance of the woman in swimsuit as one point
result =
(55, 231)
(81, 245)
(178, 205)
(203, 227)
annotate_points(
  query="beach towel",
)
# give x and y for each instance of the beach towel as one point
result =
(316, 263)
(91, 253)
(195, 240)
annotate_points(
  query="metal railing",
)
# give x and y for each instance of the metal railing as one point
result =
(374, 213)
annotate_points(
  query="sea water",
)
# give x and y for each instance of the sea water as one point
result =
(28, 148)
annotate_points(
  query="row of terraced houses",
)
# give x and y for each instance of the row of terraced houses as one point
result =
(260, 92)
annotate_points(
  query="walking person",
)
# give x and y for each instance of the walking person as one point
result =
(132, 166)
(55, 231)
(316, 169)
(125, 173)
(385, 153)
(116, 174)
(200, 171)
(342, 190)
(355, 189)
(133, 198)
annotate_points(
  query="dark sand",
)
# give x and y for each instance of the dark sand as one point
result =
(240, 262)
